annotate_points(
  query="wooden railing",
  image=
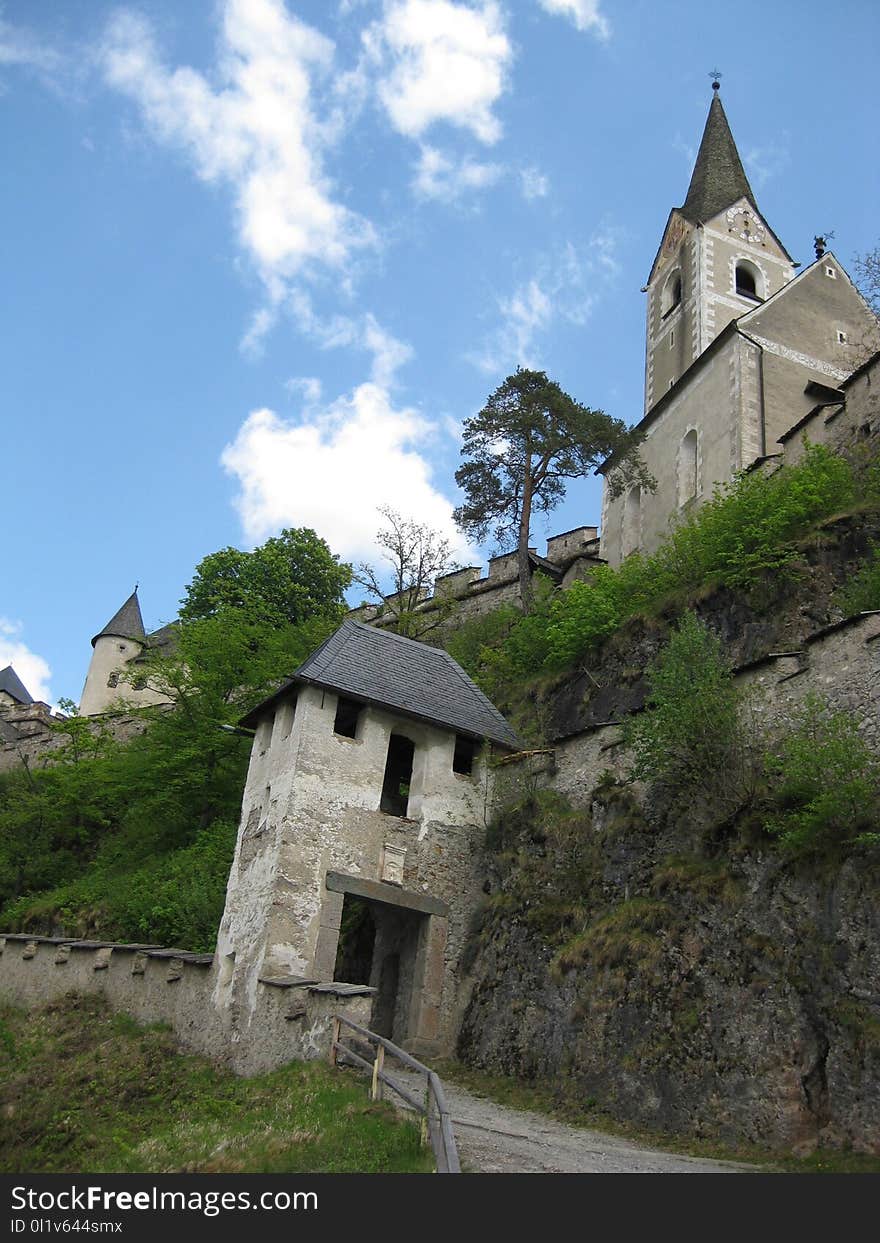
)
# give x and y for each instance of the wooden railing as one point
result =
(436, 1121)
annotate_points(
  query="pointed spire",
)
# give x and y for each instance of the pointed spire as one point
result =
(718, 178)
(126, 623)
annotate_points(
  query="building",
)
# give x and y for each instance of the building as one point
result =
(118, 649)
(365, 807)
(739, 345)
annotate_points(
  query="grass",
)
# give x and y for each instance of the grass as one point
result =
(85, 1090)
(556, 1100)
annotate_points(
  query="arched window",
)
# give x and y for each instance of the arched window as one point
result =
(670, 296)
(632, 513)
(687, 467)
(748, 280)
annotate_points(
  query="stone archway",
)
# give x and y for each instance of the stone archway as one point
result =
(406, 953)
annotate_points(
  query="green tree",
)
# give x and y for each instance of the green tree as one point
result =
(529, 438)
(293, 576)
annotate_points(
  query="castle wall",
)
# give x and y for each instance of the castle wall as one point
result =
(170, 986)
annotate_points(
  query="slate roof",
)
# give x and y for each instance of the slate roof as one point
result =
(718, 178)
(126, 623)
(13, 685)
(375, 666)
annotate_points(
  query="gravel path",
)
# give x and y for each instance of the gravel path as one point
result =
(497, 1139)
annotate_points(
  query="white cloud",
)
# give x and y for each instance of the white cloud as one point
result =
(359, 332)
(565, 287)
(439, 176)
(583, 13)
(18, 46)
(441, 62)
(33, 670)
(767, 162)
(533, 183)
(331, 468)
(256, 130)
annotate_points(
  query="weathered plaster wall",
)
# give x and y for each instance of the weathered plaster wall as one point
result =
(170, 986)
(311, 807)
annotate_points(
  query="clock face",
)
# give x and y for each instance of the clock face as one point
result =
(743, 222)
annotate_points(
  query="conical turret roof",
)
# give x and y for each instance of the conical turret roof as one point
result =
(718, 178)
(13, 685)
(126, 623)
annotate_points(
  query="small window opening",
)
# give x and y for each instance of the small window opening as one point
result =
(746, 285)
(687, 479)
(463, 759)
(841, 337)
(348, 713)
(398, 776)
(672, 338)
(113, 680)
(830, 272)
(289, 712)
(671, 295)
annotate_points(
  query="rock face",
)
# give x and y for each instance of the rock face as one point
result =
(723, 992)
(668, 962)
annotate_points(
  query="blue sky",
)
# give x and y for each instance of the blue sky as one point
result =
(261, 258)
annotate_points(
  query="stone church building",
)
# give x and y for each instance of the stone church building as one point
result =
(740, 346)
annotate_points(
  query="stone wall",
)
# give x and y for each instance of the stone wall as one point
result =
(31, 737)
(172, 986)
(466, 593)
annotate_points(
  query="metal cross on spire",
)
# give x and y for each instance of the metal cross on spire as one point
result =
(716, 75)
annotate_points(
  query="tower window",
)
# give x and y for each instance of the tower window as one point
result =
(672, 338)
(631, 532)
(113, 680)
(687, 468)
(670, 298)
(841, 337)
(747, 281)
(398, 775)
(348, 713)
(463, 759)
(830, 272)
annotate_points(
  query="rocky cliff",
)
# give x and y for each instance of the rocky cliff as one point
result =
(670, 962)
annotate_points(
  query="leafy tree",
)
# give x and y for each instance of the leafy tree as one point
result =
(291, 577)
(526, 441)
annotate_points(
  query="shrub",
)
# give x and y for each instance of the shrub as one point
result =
(691, 734)
(827, 782)
(862, 592)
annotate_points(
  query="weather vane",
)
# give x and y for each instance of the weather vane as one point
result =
(716, 76)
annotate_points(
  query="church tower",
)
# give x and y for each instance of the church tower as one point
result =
(718, 259)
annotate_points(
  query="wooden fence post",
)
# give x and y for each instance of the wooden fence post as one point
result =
(376, 1086)
(334, 1040)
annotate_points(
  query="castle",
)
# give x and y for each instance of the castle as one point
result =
(370, 786)
(740, 350)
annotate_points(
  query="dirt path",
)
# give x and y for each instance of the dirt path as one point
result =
(497, 1139)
